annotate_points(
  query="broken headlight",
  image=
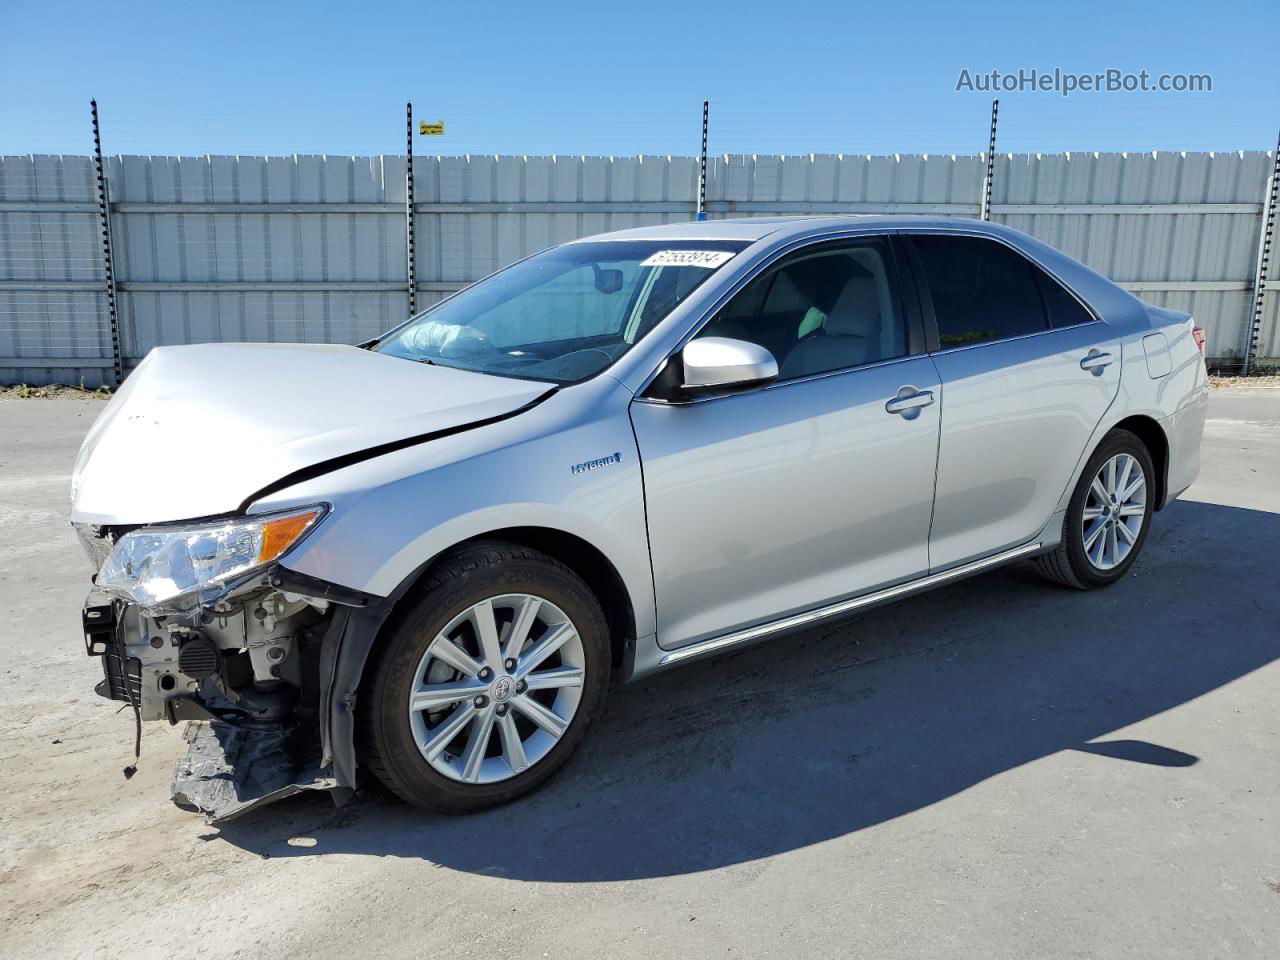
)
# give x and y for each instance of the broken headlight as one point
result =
(154, 566)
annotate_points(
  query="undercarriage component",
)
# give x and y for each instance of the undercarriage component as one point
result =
(229, 770)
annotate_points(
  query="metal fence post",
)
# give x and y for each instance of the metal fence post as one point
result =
(702, 165)
(985, 211)
(412, 265)
(1261, 268)
(108, 264)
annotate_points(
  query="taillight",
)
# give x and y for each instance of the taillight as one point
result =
(1199, 336)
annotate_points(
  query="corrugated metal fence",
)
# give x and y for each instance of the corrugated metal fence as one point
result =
(313, 248)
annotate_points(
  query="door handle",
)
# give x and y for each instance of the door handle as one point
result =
(910, 402)
(1096, 360)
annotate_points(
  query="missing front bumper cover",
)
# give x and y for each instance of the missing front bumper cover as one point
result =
(259, 702)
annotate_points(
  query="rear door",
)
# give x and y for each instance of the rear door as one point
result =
(817, 486)
(1027, 373)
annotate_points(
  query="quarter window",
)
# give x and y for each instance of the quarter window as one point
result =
(981, 290)
(1064, 309)
(820, 310)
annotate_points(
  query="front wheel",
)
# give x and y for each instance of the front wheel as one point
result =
(489, 681)
(1108, 516)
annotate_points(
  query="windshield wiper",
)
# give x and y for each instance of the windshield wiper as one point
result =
(427, 360)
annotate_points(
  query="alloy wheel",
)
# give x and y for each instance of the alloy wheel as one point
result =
(1114, 511)
(497, 688)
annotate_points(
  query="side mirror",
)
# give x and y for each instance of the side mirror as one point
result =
(724, 362)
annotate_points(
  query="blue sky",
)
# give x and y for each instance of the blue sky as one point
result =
(623, 78)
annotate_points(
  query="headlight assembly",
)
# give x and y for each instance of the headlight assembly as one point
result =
(155, 566)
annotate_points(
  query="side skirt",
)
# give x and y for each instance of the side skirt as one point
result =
(651, 658)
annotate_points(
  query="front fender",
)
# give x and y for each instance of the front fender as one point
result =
(569, 465)
(552, 467)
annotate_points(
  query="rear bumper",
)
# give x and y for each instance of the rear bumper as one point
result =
(1184, 431)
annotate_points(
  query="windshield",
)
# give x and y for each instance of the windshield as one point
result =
(562, 315)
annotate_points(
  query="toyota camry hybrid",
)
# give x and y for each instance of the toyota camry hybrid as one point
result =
(429, 557)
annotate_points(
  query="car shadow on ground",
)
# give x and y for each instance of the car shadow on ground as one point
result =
(824, 733)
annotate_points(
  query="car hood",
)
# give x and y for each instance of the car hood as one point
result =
(197, 430)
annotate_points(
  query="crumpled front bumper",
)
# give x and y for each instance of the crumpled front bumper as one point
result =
(232, 765)
(236, 761)
(229, 770)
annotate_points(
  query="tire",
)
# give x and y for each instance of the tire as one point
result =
(1070, 563)
(501, 578)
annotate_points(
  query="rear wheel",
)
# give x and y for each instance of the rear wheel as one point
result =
(1108, 516)
(489, 681)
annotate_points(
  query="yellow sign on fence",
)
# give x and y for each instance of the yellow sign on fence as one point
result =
(431, 129)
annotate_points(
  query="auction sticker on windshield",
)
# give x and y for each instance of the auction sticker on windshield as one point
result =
(710, 259)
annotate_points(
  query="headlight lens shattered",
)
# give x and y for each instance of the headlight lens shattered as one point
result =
(156, 565)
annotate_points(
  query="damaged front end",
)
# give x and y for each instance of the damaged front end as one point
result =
(200, 624)
(196, 613)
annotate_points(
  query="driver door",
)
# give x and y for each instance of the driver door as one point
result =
(813, 487)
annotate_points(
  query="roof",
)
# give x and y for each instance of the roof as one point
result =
(756, 228)
(1094, 287)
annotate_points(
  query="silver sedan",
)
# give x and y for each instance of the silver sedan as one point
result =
(429, 556)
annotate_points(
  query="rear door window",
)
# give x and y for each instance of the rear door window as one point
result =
(981, 290)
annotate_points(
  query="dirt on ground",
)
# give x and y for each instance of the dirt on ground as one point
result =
(1269, 382)
(59, 391)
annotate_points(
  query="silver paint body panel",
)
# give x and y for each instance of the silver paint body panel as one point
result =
(195, 430)
(1016, 417)
(731, 517)
(778, 499)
